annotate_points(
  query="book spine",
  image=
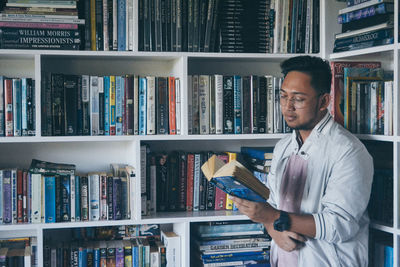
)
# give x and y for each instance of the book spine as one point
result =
(7, 197)
(14, 195)
(17, 106)
(77, 198)
(66, 199)
(178, 105)
(151, 105)
(94, 105)
(142, 105)
(121, 25)
(8, 103)
(228, 111)
(195, 105)
(219, 104)
(270, 104)
(204, 104)
(196, 182)
(117, 198)
(94, 197)
(211, 104)
(1, 198)
(162, 105)
(247, 107)
(50, 197)
(103, 197)
(112, 105)
(172, 105)
(72, 198)
(85, 105)
(237, 104)
(118, 104)
(2, 107)
(101, 105)
(135, 105)
(129, 107)
(24, 107)
(371, 11)
(84, 198)
(70, 104)
(20, 212)
(107, 105)
(190, 104)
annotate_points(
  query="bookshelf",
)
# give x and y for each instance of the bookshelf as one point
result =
(91, 153)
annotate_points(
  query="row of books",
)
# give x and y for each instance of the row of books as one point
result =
(52, 192)
(364, 25)
(381, 246)
(229, 26)
(110, 105)
(40, 24)
(174, 181)
(380, 207)
(225, 104)
(230, 243)
(368, 101)
(19, 252)
(17, 106)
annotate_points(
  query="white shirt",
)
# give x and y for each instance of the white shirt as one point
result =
(336, 193)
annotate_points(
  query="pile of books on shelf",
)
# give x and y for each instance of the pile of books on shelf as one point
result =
(130, 245)
(229, 243)
(19, 252)
(365, 24)
(17, 106)
(362, 97)
(223, 104)
(53, 192)
(40, 24)
(174, 181)
(110, 105)
(239, 26)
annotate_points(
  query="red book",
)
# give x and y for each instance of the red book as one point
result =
(189, 183)
(336, 107)
(8, 104)
(172, 104)
(20, 193)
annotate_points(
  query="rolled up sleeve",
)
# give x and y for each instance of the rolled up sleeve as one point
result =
(346, 196)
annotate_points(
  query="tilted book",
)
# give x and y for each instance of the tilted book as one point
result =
(234, 179)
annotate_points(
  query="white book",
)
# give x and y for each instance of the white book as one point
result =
(94, 196)
(204, 107)
(72, 196)
(178, 112)
(143, 177)
(105, 25)
(190, 104)
(229, 263)
(135, 105)
(270, 104)
(385, 25)
(27, 256)
(151, 105)
(363, 5)
(115, 25)
(219, 104)
(388, 108)
(67, 4)
(196, 182)
(308, 27)
(155, 257)
(195, 104)
(373, 108)
(172, 243)
(278, 20)
(130, 25)
(94, 105)
(36, 197)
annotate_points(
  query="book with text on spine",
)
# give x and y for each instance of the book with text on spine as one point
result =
(234, 179)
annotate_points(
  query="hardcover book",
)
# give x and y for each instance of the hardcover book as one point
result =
(234, 179)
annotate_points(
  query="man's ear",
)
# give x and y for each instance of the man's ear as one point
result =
(324, 101)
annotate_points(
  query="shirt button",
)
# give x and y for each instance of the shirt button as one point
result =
(302, 152)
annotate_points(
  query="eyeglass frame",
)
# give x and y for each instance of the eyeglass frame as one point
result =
(293, 100)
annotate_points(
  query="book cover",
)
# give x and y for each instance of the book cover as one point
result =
(228, 111)
(234, 179)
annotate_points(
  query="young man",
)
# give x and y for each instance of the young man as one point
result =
(320, 179)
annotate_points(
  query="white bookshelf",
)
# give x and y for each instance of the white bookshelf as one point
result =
(95, 153)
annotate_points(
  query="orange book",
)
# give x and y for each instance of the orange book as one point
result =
(172, 105)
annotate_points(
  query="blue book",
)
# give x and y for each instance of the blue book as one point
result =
(229, 255)
(106, 105)
(119, 90)
(121, 10)
(142, 105)
(82, 257)
(24, 107)
(17, 106)
(237, 104)
(96, 257)
(50, 199)
(258, 153)
(77, 198)
(264, 255)
(388, 256)
(135, 253)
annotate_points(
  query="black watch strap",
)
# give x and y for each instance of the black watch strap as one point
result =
(283, 222)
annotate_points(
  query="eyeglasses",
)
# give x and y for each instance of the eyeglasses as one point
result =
(297, 101)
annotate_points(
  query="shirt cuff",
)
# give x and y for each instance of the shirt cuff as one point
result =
(320, 228)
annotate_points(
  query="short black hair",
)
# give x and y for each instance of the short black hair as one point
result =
(318, 69)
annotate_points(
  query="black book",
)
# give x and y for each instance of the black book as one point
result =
(70, 104)
(228, 104)
(158, 26)
(101, 107)
(196, 25)
(168, 18)
(190, 29)
(367, 22)
(163, 15)
(162, 105)
(179, 26)
(162, 178)
(173, 182)
(202, 23)
(210, 200)
(99, 25)
(87, 38)
(214, 41)
(141, 28)
(315, 27)
(58, 111)
(79, 111)
(110, 24)
(58, 199)
(246, 105)
(110, 191)
(173, 25)
(146, 25)
(31, 107)
(182, 181)
(184, 21)
(262, 117)
(208, 26)
(152, 9)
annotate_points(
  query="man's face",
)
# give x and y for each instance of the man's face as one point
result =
(300, 103)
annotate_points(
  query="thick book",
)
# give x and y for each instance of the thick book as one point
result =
(234, 179)
(363, 5)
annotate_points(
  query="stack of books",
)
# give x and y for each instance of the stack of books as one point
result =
(40, 24)
(230, 243)
(19, 252)
(17, 106)
(365, 24)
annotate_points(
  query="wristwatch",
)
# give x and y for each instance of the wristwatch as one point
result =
(283, 222)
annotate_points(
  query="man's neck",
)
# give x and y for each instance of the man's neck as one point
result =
(304, 134)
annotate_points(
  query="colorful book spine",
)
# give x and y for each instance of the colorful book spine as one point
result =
(103, 197)
(119, 85)
(112, 106)
(86, 105)
(50, 197)
(72, 197)
(196, 182)
(84, 198)
(66, 199)
(106, 105)
(142, 105)
(24, 107)
(204, 106)
(237, 104)
(8, 103)
(94, 196)
(178, 105)
(16, 85)
(172, 105)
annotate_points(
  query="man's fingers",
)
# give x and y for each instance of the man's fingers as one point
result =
(297, 237)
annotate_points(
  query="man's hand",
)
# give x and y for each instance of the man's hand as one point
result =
(287, 240)
(257, 211)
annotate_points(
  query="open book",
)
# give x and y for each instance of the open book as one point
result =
(234, 179)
